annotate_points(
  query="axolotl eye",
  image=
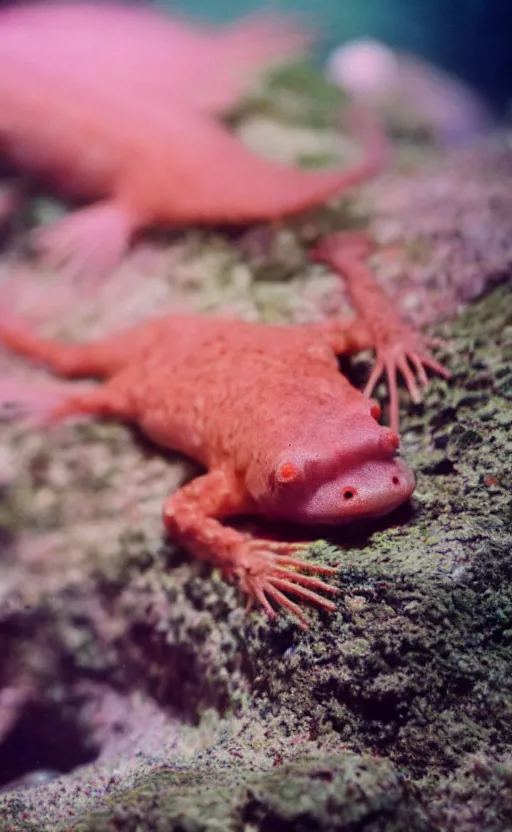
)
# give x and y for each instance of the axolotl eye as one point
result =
(360, 475)
(288, 472)
(375, 409)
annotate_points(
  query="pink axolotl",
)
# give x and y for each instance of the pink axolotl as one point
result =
(145, 54)
(264, 408)
(141, 166)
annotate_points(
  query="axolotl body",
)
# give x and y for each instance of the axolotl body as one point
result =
(264, 408)
(143, 53)
(140, 165)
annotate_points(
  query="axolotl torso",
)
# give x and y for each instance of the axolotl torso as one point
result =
(265, 409)
(141, 164)
(142, 52)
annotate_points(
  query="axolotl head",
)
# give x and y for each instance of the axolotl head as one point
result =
(335, 471)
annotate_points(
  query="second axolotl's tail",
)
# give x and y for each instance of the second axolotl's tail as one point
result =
(260, 38)
(252, 188)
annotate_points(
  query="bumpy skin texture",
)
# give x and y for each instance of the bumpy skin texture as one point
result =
(141, 51)
(143, 164)
(264, 408)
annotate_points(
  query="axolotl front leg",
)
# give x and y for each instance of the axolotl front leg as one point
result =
(265, 570)
(398, 347)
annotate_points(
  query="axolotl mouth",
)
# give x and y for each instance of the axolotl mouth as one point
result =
(361, 480)
(369, 489)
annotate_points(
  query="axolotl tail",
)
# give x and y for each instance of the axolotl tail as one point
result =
(237, 186)
(259, 38)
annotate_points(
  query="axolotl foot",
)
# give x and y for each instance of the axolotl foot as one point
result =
(267, 570)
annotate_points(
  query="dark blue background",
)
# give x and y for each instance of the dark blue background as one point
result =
(472, 38)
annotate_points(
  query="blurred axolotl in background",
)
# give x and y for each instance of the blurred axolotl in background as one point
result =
(116, 106)
(143, 53)
(142, 165)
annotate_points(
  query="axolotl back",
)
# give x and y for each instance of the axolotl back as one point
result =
(300, 439)
(280, 432)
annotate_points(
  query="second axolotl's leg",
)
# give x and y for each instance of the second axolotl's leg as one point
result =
(264, 569)
(397, 345)
(90, 242)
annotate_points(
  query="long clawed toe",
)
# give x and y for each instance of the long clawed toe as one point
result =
(293, 563)
(278, 588)
(411, 364)
(283, 550)
(283, 576)
(282, 600)
(305, 580)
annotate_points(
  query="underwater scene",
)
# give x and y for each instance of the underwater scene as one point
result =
(255, 416)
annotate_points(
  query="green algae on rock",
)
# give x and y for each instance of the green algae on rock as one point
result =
(350, 792)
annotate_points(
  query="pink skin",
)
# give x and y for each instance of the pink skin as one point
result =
(265, 409)
(141, 165)
(364, 479)
(118, 56)
(144, 53)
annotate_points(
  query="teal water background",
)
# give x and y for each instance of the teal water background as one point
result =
(471, 38)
